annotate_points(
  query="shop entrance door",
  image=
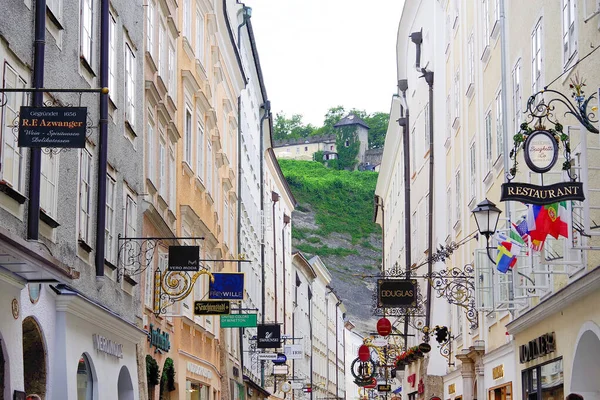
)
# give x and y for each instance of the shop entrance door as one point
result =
(124, 385)
(586, 366)
(34, 359)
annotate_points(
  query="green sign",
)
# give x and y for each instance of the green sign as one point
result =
(238, 321)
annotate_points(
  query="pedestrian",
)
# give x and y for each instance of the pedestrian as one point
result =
(574, 396)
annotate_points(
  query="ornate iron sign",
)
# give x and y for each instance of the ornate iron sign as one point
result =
(541, 151)
(396, 293)
(60, 127)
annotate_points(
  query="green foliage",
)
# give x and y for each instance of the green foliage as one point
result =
(347, 145)
(288, 128)
(167, 381)
(342, 200)
(378, 124)
(324, 251)
(318, 156)
(152, 371)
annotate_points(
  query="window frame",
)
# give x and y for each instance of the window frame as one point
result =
(499, 124)
(150, 24)
(199, 149)
(187, 135)
(110, 227)
(130, 87)
(537, 57)
(86, 31)
(489, 150)
(84, 211)
(52, 182)
(517, 93)
(112, 57)
(130, 217)
(569, 31)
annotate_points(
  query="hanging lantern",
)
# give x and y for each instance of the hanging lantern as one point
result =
(384, 327)
(364, 353)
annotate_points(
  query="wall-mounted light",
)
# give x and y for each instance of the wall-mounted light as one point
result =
(417, 39)
(486, 217)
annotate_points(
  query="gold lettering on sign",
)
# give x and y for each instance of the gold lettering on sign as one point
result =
(498, 372)
(452, 388)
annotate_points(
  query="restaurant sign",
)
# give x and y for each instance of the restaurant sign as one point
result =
(396, 293)
(541, 195)
(61, 127)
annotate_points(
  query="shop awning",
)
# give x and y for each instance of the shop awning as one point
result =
(256, 386)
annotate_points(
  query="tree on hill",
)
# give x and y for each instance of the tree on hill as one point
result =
(378, 124)
(290, 128)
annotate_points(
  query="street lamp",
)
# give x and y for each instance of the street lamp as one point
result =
(486, 216)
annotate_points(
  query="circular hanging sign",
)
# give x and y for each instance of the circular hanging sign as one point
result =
(281, 358)
(364, 353)
(286, 387)
(541, 151)
(384, 326)
(425, 347)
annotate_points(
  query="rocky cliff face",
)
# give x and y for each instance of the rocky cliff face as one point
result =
(347, 262)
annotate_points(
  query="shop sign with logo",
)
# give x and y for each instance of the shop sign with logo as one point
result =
(60, 127)
(396, 293)
(541, 151)
(267, 356)
(199, 370)
(538, 347)
(452, 388)
(281, 358)
(238, 321)
(384, 388)
(268, 336)
(211, 307)
(107, 346)
(158, 339)
(184, 258)
(541, 195)
(226, 286)
(498, 372)
(293, 351)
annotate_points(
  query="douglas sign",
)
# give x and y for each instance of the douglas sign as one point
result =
(396, 293)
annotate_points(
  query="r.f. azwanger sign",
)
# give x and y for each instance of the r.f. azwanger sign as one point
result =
(541, 195)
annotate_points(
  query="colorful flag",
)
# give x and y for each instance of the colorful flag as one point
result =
(519, 233)
(550, 219)
(507, 252)
(557, 216)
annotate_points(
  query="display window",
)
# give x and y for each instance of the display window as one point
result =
(502, 392)
(544, 381)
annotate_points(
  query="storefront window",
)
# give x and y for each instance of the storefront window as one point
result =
(84, 379)
(503, 392)
(544, 382)
(193, 390)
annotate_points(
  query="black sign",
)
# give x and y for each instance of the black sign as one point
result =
(52, 127)
(396, 293)
(211, 307)
(184, 258)
(538, 347)
(384, 388)
(268, 336)
(281, 358)
(541, 151)
(541, 195)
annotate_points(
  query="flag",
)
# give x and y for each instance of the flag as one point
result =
(507, 252)
(536, 230)
(519, 234)
(557, 216)
(550, 219)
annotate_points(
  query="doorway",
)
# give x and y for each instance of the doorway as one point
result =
(586, 363)
(34, 359)
(124, 385)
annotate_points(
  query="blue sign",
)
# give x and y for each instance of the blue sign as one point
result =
(281, 358)
(226, 286)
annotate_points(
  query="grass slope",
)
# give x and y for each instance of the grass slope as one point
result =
(342, 201)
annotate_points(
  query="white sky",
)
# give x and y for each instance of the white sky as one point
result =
(318, 54)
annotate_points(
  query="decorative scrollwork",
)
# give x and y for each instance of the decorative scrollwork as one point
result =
(457, 286)
(444, 252)
(175, 286)
(136, 255)
(413, 312)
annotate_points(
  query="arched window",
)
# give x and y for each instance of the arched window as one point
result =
(85, 380)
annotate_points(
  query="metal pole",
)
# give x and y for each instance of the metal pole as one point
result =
(35, 161)
(102, 140)
(275, 199)
(286, 221)
(267, 109)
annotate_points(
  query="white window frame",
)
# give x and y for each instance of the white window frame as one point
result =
(226, 222)
(187, 136)
(457, 94)
(458, 194)
(413, 149)
(162, 50)
(10, 113)
(162, 167)
(537, 57)
(485, 11)
(171, 70)
(200, 36)
(517, 93)
(471, 55)
(49, 184)
(150, 153)
(187, 20)
(449, 216)
(200, 150)
(86, 33)
(499, 125)
(150, 23)
(112, 57)
(473, 171)
(129, 212)
(489, 153)
(426, 135)
(569, 30)
(209, 167)
(172, 178)
(109, 230)
(85, 193)
(55, 7)
(130, 76)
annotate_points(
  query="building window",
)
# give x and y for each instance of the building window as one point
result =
(413, 150)
(536, 58)
(199, 36)
(225, 218)
(85, 379)
(129, 85)
(209, 166)
(172, 178)
(130, 217)
(187, 20)
(449, 204)
(150, 153)
(87, 34)
(112, 57)
(109, 231)
(12, 157)
(55, 7)
(85, 171)
(458, 193)
(544, 381)
(471, 55)
(499, 126)
(187, 140)
(150, 27)
(171, 70)
(49, 184)
(473, 169)
(568, 23)
(162, 167)
(517, 94)
(162, 57)
(149, 286)
(200, 151)
(485, 15)
(488, 139)
(457, 94)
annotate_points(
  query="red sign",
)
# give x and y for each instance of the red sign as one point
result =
(421, 387)
(364, 353)
(371, 385)
(412, 379)
(384, 327)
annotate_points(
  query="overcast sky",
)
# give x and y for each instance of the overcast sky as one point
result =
(318, 54)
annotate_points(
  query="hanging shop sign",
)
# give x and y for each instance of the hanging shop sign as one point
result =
(184, 258)
(380, 342)
(107, 346)
(498, 372)
(267, 356)
(61, 127)
(541, 195)
(384, 388)
(538, 347)
(396, 293)
(158, 339)
(541, 151)
(297, 385)
(280, 369)
(226, 286)
(268, 336)
(293, 351)
(238, 321)
(211, 307)
(281, 358)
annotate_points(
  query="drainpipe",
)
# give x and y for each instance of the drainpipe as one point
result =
(379, 203)
(286, 221)
(298, 283)
(239, 218)
(428, 75)
(247, 13)
(504, 100)
(267, 109)
(102, 141)
(404, 122)
(337, 341)
(275, 199)
(35, 153)
(311, 339)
